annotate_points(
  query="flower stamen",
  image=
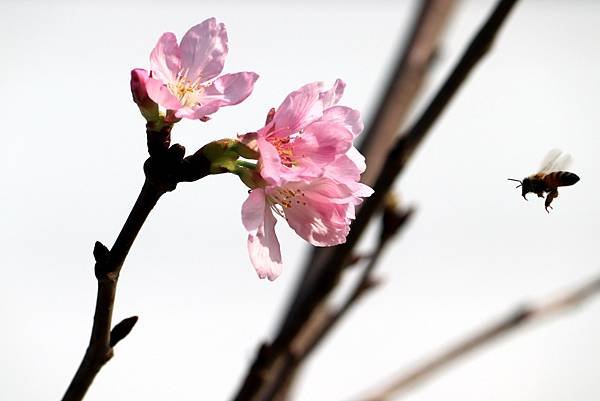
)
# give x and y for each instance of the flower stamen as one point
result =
(186, 91)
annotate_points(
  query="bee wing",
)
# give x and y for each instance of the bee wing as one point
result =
(555, 160)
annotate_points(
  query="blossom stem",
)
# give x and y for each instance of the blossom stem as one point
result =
(245, 164)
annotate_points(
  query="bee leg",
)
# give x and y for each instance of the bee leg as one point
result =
(551, 195)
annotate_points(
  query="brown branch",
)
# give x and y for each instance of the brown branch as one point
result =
(395, 162)
(517, 319)
(366, 282)
(403, 89)
(165, 168)
(326, 318)
(400, 94)
(318, 287)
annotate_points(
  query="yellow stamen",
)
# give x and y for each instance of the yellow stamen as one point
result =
(187, 92)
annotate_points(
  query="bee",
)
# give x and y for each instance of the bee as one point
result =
(549, 178)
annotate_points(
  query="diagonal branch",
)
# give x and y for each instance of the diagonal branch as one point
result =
(401, 93)
(165, 168)
(394, 164)
(108, 266)
(517, 319)
(318, 285)
(325, 319)
(393, 221)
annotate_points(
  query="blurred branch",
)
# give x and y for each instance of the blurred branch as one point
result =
(400, 94)
(394, 220)
(318, 286)
(517, 319)
(324, 320)
(407, 80)
(396, 160)
(165, 168)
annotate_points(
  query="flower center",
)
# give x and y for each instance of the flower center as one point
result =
(285, 198)
(285, 148)
(187, 92)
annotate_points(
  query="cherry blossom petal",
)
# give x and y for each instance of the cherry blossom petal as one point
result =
(165, 58)
(357, 158)
(318, 223)
(231, 89)
(343, 169)
(253, 210)
(203, 50)
(187, 112)
(318, 211)
(323, 141)
(346, 168)
(227, 90)
(362, 191)
(270, 162)
(263, 246)
(159, 92)
(333, 95)
(299, 109)
(345, 116)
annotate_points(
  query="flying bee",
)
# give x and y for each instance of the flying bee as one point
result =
(549, 178)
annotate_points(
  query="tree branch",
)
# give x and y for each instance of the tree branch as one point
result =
(318, 286)
(365, 282)
(400, 94)
(165, 168)
(326, 318)
(107, 270)
(514, 320)
(394, 164)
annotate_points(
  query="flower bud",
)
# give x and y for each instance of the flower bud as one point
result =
(221, 155)
(147, 106)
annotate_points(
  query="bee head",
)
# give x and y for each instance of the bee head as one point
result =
(526, 187)
(525, 184)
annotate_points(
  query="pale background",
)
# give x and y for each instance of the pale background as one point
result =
(70, 162)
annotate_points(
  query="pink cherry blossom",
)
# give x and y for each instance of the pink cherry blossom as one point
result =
(308, 172)
(307, 133)
(319, 210)
(182, 76)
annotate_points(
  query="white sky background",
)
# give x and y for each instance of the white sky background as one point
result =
(74, 144)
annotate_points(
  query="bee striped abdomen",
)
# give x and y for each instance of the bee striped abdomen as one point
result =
(561, 179)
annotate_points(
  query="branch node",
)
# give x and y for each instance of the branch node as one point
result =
(101, 252)
(176, 152)
(122, 329)
(102, 269)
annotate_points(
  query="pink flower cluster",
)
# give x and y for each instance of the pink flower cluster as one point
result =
(308, 170)
(181, 78)
(309, 174)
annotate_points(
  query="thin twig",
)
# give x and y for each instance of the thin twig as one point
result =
(165, 168)
(318, 287)
(517, 319)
